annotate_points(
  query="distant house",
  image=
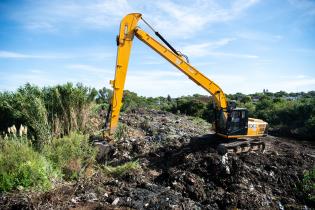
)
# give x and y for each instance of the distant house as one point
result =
(255, 98)
(291, 98)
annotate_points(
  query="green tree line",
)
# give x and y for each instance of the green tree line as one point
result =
(288, 114)
(59, 110)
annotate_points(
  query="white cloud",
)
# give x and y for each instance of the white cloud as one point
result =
(51, 16)
(157, 74)
(308, 51)
(208, 48)
(9, 54)
(150, 86)
(202, 49)
(68, 55)
(44, 77)
(32, 76)
(233, 55)
(183, 20)
(294, 84)
(18, 55)
(88, 68)
(175, 83)
(301, 76)
(306, 5)
(259, 36)
(273, 82)
(179, 20)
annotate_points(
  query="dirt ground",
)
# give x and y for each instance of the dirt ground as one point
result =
(181, 169)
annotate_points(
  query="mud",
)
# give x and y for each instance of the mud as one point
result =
(181, 169)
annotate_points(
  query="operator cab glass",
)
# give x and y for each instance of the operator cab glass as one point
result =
(236, 122)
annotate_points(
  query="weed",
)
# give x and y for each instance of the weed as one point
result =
(121, 132)
(70, 153)
(198, 121)
(122, 169)
(308, 185)
(22, 166)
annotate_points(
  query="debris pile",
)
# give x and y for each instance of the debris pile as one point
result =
(180, 168)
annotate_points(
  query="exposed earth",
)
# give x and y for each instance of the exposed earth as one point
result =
(179, 168)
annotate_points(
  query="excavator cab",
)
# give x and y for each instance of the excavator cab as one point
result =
(234, 125)
(237, 122)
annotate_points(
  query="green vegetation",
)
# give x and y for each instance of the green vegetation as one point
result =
(122, 169)
(288, 114)
(120, 132)
(70, 154)
(48, 112)
(21, 166)
(68, 107)
(308, 185)
(25, 106)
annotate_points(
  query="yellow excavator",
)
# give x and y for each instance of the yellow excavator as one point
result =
(231, 123)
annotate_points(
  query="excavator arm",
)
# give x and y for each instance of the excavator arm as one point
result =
(128, 29)
(230, 122)
(124, 43)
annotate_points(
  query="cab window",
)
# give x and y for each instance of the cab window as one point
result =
(235, 117)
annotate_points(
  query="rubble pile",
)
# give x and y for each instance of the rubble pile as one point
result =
(180, 168)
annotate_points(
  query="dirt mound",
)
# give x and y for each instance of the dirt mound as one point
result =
(181, 169)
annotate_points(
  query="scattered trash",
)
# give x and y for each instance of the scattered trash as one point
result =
(179, 167)
(115, 202)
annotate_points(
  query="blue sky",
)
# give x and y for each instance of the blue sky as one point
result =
(243, 45)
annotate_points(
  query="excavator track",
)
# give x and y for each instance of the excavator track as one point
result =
(243, 145)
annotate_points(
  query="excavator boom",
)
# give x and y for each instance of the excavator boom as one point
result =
(124, 43)
(129, 29)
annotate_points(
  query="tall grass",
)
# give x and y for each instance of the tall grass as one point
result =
(121, 169)
(70, 154)
(25, 106)
(69, 107)
(308, 185)
(22, 166)
(121, 132)
(47, 112)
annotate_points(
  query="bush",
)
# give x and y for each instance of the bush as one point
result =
(308, 185)
(50, 111)
(70, 154)
(25, 106)
(122, 169)
(121, 132)
(68, 107)
(21, 166)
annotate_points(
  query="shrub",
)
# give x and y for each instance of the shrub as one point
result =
(21, 166)
(122, 169)
(71, 154)
(26, 106)
(308, 185)
(121, 132)
(68, 107)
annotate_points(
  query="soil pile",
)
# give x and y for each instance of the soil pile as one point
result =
(179, 168)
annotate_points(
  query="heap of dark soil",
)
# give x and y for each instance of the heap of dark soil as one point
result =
(181, 169)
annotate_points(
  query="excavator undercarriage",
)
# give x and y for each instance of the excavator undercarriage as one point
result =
(242, 145)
